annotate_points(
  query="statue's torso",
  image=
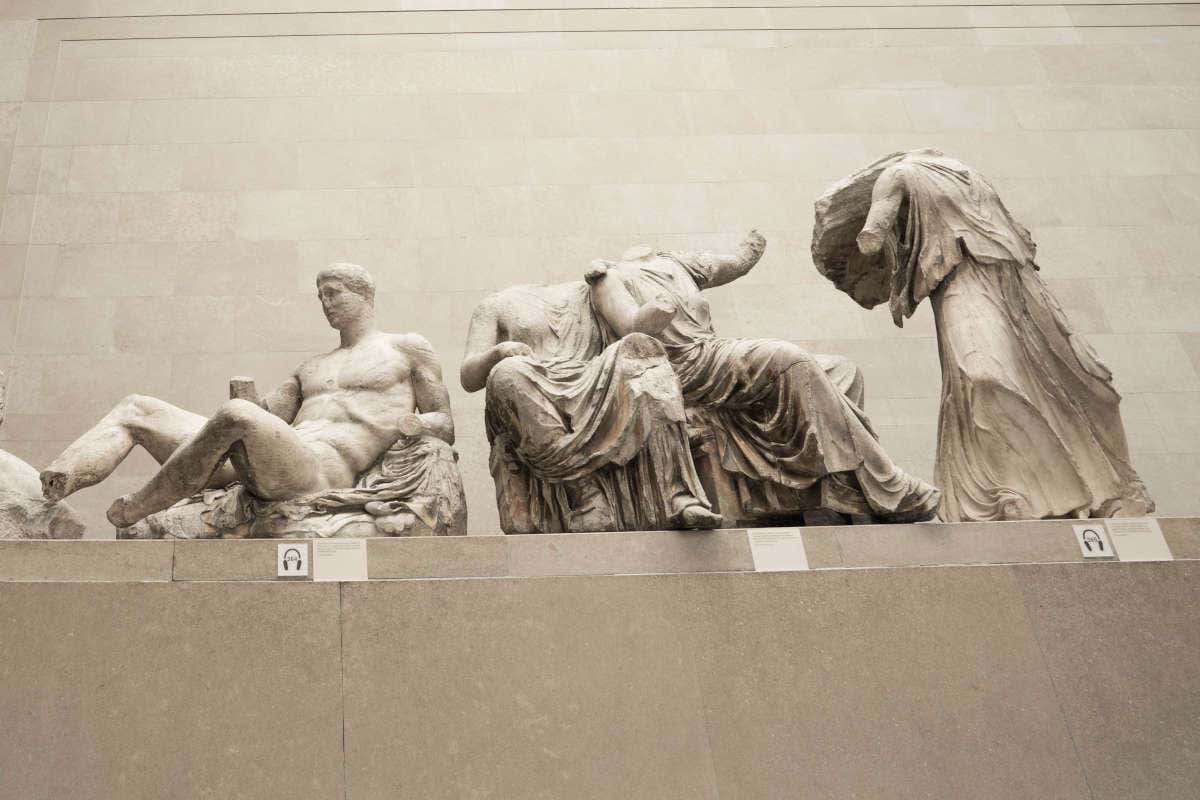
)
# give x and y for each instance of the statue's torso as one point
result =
(352, 400)
(556, 321)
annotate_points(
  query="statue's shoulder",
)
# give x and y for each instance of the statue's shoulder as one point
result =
(311, 363)
(504, 297)
(413, 345)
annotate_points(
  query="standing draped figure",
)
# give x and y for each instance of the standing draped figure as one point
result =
(1029, 425)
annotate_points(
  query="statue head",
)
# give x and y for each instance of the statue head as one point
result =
(347, 293)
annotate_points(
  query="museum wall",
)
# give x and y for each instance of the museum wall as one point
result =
(176, 174)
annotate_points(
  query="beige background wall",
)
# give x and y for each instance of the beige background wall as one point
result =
(174, 183)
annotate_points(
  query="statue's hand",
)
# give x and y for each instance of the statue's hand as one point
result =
(412, 426)
(756, 239)
(870, 242)
(509, 349)
(596, 270)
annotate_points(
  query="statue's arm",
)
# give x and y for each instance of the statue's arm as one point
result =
(886, 198)
(429, 391)
(485, 348)
(720, 269)
(285, 401)
(616, 305)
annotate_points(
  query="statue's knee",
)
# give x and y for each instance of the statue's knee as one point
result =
(135, 407)
(792, 357)
(506, 375)
(643, 346)
(236, 412)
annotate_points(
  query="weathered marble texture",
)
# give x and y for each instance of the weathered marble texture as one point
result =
(1029, 425)
(356, 441)
(587, 430)
(24, 513)
(777, 420)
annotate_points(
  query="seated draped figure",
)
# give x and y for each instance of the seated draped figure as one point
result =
(778, 419)
(357, 442)
(587, 430)
(1030, 424)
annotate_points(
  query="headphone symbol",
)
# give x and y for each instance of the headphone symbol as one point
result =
(1090, 537)
(292, 556)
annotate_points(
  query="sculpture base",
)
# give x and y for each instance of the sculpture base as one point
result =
(942, 661)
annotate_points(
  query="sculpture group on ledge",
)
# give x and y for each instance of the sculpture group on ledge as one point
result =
(1029, 426)
(357, 442)
(612, 404)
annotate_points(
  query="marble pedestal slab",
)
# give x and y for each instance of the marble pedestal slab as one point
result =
(981, 660)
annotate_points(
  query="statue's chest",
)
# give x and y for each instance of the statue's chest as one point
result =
(552, 326)
(368, 369)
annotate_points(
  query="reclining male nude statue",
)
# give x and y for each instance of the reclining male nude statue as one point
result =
(361, 434)
(779, 422)
(588, 430)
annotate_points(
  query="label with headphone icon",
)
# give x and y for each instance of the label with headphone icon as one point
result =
(291, 560)
(1093, 541)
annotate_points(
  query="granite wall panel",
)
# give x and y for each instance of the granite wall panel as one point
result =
(173, 183)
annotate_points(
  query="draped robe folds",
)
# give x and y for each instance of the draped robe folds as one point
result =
(584, 411)
(777, 417)
(1030, 424)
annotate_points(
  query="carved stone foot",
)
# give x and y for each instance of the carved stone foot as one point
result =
(122, 513)
(698, 516)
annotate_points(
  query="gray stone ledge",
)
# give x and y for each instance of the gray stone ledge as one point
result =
(656, 552)
(87, 560)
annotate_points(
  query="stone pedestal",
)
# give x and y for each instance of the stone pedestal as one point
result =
(942, 661)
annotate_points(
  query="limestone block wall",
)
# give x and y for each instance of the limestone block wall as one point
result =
(177, 172)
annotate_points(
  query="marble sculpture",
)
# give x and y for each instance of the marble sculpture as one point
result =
(1030, 425)
(356, 442)
(587, 430)
(24, 513)
(777, 422)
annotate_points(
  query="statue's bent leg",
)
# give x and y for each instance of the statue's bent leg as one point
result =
(280, 464)
(845, 375)
(892, 494)
(157, 426)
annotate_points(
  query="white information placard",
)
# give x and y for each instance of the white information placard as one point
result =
(777, 549)
(1138, 539)
(1093, 541)
(291, 560)
(339, 559)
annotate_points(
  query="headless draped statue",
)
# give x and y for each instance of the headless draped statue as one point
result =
(356, 442)
(587, 430)
(1030, 425)
(780, 423)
